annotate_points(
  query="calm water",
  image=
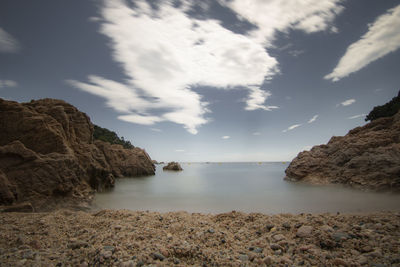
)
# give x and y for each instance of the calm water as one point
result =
(249, 187)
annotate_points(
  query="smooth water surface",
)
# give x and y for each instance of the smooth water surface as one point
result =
(249, 187)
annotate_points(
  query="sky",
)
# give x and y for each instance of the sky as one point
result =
(212, 80)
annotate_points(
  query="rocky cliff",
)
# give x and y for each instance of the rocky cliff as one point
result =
(48, 155)
(367, 157)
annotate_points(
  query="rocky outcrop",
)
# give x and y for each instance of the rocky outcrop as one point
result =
(47, 155)
(367, 157)
(173, 166)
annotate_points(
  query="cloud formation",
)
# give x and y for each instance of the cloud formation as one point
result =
(314, 118)
(8, 83)
(225, 137)
(165, 53)
(357, 116)
(347, 102)
(382, 38)
(8, 44)
(291, 127)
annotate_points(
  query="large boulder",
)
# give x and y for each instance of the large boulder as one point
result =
(47, 155)
(368, 157)
(173, 166)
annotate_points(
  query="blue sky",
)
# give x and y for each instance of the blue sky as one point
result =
(214, 80)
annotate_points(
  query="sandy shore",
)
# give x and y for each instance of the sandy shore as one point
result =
(127, 238)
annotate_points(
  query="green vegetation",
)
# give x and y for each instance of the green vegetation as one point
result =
(111, 137)
(386, 110)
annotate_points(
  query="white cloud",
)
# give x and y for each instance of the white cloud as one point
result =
(8, 83)
(164, 53)
(382, 38)
(314, 118)
(277, 15)
(179, 150)
(8, 44)
(257, 98)
(256, 133)
(225, 137)
(291, 127)
(357, 116)
(140, 119)
(347, 102)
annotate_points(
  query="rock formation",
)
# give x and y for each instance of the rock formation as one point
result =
(173, 166)
(367, 157)
(48, 156)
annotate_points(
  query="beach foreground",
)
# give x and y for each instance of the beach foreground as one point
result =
(135, 238)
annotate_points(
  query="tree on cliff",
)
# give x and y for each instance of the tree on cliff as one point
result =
(386, 110)
(111, 137)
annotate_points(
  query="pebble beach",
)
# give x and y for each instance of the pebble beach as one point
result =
(142, 238)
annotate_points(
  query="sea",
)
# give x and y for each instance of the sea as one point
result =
(248, 187)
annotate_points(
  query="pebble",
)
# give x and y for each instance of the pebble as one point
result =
(269, 227)
(128, 264)
(268, 260)
(278, 237)
(158, 256)
(77, 244)
(275, 247)
(164, 252)
(109, 248)
(286, 225)
(304, 231)
(327, 228)
(339, 236)
(106, 254)
(340, 262)
(258, 250)
(243, 257)
(362, 260)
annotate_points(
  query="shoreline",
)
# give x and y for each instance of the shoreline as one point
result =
(144, 238)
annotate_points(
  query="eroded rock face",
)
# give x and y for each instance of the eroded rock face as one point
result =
(367, 157)
(173, 166)
(47, 153)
